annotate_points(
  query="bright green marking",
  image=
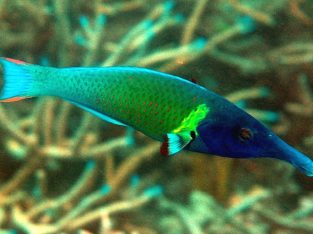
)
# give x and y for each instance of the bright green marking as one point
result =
(190, 123)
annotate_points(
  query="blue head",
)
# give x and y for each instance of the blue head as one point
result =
(231, 132)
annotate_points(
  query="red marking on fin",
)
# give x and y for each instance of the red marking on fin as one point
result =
(14, 99)
(15, 61)
(193, 80)
(164, 147)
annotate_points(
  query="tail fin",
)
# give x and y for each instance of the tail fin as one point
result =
(15, 80)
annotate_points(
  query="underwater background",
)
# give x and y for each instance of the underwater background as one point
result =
(63, 170)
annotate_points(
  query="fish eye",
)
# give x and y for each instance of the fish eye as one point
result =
(245, 134)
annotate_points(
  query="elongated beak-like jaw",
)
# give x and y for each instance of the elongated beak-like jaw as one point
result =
(296, 158)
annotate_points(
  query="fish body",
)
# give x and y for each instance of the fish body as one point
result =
(152, 102)
(167, 108)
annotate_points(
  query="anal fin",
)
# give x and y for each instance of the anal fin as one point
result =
(97, 113)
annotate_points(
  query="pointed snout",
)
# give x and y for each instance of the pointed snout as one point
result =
(287, 153)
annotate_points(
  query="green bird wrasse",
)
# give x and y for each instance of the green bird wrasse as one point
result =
(175, 111)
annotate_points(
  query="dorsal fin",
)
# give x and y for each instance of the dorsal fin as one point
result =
(194, 80)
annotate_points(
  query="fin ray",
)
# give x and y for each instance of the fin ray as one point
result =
(97, 113)
(173, 143)
(16, 82)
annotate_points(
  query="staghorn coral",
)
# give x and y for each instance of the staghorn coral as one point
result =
(62, 170)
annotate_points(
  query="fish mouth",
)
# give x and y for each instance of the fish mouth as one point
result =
(288, 153)
(302, 162)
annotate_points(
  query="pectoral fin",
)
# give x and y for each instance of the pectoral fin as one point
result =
(175, 142)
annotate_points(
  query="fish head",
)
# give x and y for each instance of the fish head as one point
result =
(239, 135)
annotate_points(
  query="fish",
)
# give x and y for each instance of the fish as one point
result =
(179, 113)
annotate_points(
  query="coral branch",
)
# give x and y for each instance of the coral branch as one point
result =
(193, 21)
